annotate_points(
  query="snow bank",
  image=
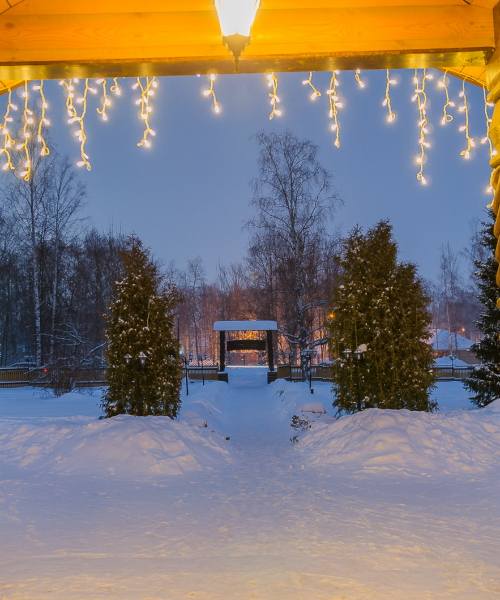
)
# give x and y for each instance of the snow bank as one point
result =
(445, 361)
(414, 442)
(123, 446)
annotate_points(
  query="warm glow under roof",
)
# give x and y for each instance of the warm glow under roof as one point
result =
(58, 39)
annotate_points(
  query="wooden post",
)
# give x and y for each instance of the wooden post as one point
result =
(222, 350)
(270, 353)
(493, 83)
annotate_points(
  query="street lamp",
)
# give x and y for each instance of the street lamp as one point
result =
(357, 357)
(452, 357)
(202, 372)
(236, 18)
(307, 356)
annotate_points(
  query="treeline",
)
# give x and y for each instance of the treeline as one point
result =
(56, 272)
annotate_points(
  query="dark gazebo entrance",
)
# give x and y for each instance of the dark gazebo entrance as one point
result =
(259, 345)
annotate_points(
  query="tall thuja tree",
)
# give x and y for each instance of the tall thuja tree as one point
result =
(484, 382)
(379, 302)
(141, 321)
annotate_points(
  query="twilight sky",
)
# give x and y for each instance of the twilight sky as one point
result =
(189, 193)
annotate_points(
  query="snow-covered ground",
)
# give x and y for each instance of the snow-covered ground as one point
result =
(382, 504)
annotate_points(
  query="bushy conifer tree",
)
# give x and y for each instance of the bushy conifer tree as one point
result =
(484, 382)
(379, 302)
(141, 322)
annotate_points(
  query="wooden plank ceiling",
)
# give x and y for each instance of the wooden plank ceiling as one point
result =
(54, 39)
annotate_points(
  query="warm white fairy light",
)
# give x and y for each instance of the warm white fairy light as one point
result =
(211, 92)
(315, 94)
(421, 98)
(43, 121)
(8, 142)
(357, 74)
(105, 100)
(26, 135)
(74, 117)
(115, 88)
(147, 91)
(272, 81)
(465, 128)
(447, 118)
(391, 117)
(335, 104)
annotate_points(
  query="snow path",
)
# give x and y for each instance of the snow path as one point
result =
(265, 526)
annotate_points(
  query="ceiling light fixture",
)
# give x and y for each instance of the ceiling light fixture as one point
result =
(236, 18)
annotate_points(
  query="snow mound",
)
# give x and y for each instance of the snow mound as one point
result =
(314, 407)
(402, 440)
(445, 361)
(123, 446)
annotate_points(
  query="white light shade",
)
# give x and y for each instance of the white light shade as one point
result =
(236, 16)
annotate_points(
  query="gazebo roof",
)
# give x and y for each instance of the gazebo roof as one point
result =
(245, 326)
(60, 39)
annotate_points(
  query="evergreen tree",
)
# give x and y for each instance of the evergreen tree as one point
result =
(379, 302)
(141, 321)
(484, 382)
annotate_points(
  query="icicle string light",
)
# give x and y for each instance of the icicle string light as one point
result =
(357, 74)
(8, 142)
(147, 91)
(115, 88)
(487, 139)
(272, 81)
(421, 98)
(447, 118)
(465, 128)
(315, 94)
(75, 118)
(335, 104)
(43, 121)
(210, 92)
(105, 100)
(23, 146)
(387, 101)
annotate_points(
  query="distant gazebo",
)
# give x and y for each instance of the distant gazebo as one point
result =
(259, 345)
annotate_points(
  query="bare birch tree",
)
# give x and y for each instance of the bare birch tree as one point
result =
(293, 201)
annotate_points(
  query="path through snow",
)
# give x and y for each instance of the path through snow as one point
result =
(266, 524)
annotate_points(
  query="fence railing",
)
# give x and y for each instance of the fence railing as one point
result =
(323, 373)
(40, 377)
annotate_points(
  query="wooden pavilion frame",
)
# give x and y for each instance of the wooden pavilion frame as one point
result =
(57, 39)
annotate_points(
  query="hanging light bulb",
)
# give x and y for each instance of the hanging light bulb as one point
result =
(236, 19)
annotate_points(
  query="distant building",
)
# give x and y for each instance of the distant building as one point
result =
(460, 345)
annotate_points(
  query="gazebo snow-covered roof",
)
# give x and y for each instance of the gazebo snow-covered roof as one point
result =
(441, 341)
(245, 326)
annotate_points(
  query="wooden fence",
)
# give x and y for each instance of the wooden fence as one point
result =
(322, 373)
(39, 377)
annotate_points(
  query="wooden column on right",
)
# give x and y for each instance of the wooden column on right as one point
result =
(493, 83)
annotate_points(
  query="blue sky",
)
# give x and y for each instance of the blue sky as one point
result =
(189, 193)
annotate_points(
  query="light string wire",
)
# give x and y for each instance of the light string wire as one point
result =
(465, 128)
(487, 139)
(447, 118)
(8, 142)
(387, 101)
(105, 100)
(421, 98)
(335, 104)
(315, 94)
(272, 81)
(147, 91)
(211, 92)
(27, 121)
(43, 120)
(75, 118)
(115, 88)
(357, 74)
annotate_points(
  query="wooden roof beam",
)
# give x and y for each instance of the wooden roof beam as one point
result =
(53, 46)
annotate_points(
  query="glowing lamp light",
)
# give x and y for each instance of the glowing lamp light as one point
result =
(236, 18)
